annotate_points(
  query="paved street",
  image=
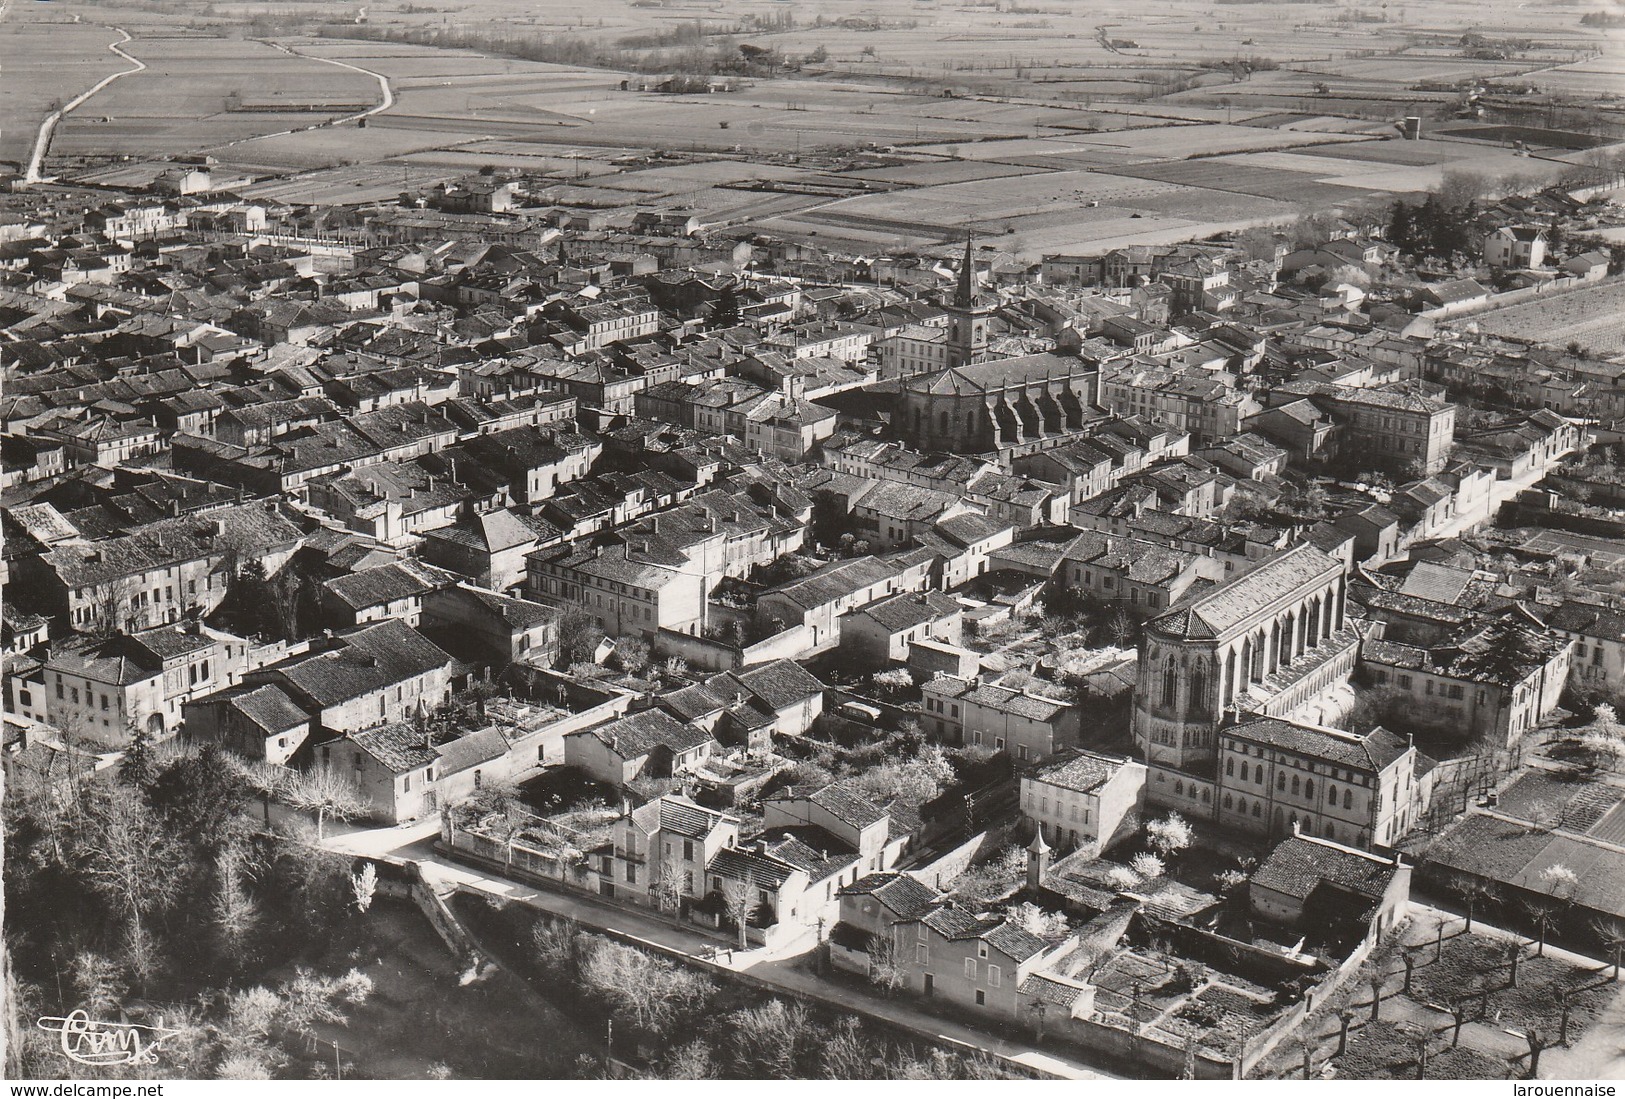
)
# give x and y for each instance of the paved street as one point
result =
(1500, 493)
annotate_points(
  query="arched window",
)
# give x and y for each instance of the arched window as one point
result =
(1229, 802)
(1308, 787)
(1280, 781)
(1170, 685)
(1258, 774)
(1348, 799)
(1230, 767)
(1331, 794)
(1179, 787)
(1295, 786)
(1199, 690)
(1241, 806)
(1207, 798)
(1331, 832)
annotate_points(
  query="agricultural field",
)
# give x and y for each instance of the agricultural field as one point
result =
(182, 102)
(1057, 128)
(45, 64)
(1593, 317)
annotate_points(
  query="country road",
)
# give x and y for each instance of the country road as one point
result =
(42, 143)
(385, 102)
(387, 94)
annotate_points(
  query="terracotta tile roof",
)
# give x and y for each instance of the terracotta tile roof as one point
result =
(1372, 752)
(1299, 864)
(906, 897)
(1234, 602)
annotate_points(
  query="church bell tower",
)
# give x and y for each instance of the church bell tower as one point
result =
(967, 317)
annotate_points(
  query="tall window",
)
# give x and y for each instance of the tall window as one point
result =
(1170, 685)
(1199, 690)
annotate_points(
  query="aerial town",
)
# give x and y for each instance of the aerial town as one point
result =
(768, 655)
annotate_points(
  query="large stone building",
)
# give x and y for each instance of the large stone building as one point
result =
(1236, 689)
(976, 404)
(1270, 642)
(998, 404)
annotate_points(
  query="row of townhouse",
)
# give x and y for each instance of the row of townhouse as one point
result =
(1029, 726)
(1204, 405)
(656, 574)
(105, 689)
(693, 863)
(157, 573)
(1496, 683)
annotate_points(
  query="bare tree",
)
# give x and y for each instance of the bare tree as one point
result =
(1460, 1005)
(363, 884)
(1422, 1039)
(1376, 978)
(667, 886)
(1344, 1010)
(770, 1041)
(129, 857)
(309, 998)
(328, 794)
(97, 979)
(1474, 892)
(739, 902)
(1306, 1050)
(886, 969)
(1611, 931)
(1375, 970)
(1538, 1042)
(846, 1053)
(1409, 956)
(1169, 836)
(693, 1061)
(1543, 913)
(235, 912)
(141, 956)
(648, 989)
(1512, 952)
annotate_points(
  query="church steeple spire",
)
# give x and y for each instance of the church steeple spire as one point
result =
(967, 317)
(965, 292)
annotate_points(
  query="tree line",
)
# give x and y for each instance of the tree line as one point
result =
(157, 891)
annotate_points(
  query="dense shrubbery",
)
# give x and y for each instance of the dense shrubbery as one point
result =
(676, 1023)
(159, 891)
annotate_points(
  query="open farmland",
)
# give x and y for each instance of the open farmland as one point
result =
(1037, 213)
(1055, 129)
(46, 64)
(183, 101)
